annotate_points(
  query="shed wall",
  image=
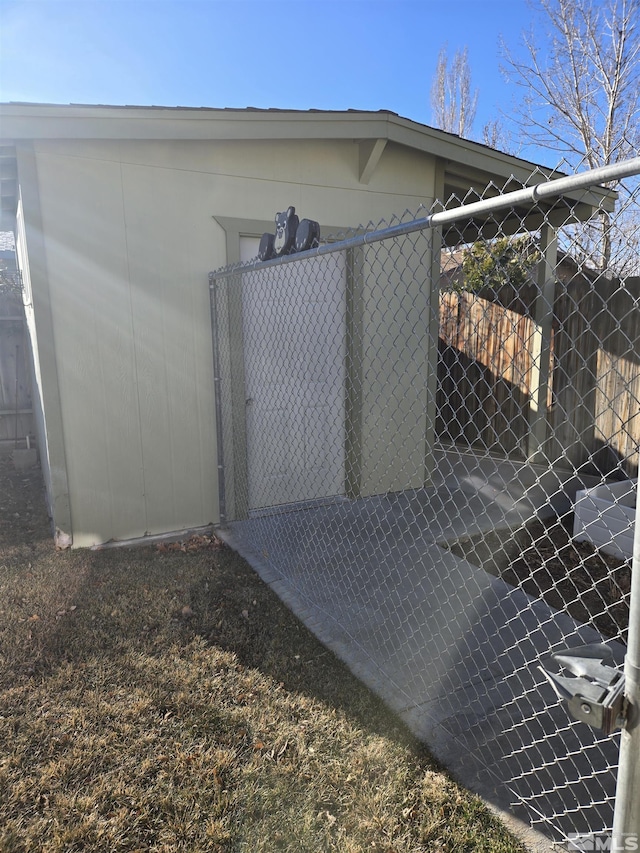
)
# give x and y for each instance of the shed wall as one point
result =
(129, 238)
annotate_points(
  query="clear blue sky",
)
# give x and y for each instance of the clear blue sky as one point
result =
(321, 54)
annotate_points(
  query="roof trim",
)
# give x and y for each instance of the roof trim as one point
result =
(52, 121)
(78, 121)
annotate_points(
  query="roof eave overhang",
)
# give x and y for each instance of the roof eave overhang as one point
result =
(462, 159)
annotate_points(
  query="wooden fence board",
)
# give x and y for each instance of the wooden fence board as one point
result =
(15, 387)
(485, 373)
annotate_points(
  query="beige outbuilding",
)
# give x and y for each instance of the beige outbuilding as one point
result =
(120, 214)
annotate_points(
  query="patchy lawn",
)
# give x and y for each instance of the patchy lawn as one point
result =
(163, 699)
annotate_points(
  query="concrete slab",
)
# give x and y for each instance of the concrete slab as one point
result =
(453, 650)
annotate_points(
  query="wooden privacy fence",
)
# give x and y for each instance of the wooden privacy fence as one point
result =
(486, 372)
(15, 393)
(484, 369)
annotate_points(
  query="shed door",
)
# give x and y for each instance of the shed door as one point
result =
(293, 320)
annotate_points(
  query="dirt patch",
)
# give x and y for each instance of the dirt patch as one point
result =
(23, 514)
(542, 559)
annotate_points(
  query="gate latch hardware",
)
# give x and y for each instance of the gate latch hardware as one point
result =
(596, 695)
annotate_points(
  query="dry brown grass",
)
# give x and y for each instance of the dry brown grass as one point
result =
(165, 700)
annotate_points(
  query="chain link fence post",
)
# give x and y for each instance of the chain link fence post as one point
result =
(626, 819)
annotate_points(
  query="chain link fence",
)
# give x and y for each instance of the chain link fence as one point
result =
(429, 436)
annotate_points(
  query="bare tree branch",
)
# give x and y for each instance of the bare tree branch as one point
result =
(452, 101)
(581, 91)
(495, 135)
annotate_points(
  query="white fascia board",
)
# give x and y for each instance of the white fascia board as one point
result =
(18, 121)
(44, 121)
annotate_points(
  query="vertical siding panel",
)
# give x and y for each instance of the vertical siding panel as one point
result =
(199, 260)
(94, 352)
(167, 256)
(149, 257)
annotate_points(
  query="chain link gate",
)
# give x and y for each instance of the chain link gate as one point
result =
(428, 445)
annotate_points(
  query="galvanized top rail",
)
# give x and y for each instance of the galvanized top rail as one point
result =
(527, 195)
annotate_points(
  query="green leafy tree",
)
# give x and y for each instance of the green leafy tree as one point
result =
(495, 264)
